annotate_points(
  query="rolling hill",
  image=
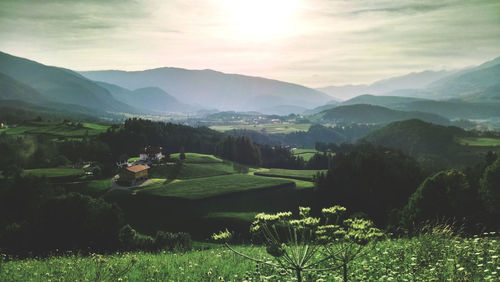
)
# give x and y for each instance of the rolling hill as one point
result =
(384, 101)
(452, 109)
(213, 89)
(434, 145)
(363, 113)
(58, 85)
(415, 136)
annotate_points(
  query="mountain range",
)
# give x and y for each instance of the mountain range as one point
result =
(470, 93)
(472, 84)
(215, 89)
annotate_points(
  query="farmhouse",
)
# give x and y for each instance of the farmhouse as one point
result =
(150, 153)
(133, 173)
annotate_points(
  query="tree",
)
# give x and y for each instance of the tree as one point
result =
(182, 154)
(489, 191)
(12, 171)
(446, 194)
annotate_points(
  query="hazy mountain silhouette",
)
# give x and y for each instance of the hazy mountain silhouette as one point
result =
(59, 85)
(213, 89)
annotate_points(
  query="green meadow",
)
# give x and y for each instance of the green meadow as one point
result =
(197, 158)
(479, 141)
(94, 188)
(306, 175)
(423, 258)
(54, 172)
(199, 188)
(306, 154)
(55, 129)
(267, 127)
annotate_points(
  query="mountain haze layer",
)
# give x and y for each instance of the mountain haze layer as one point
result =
(213, 89)
(149, 99)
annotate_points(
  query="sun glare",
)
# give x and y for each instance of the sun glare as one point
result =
(261, 19)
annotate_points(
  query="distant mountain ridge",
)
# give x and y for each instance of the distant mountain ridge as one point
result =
(475, 84)
(215, 89)
(59, 85)
(414, 80)
(148, 98)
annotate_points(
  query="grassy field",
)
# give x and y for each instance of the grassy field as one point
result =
(92, 187)
(199, 188)
(53, 172)
(306, 154)
(268, 127)
(243, 216)
(478, 141)
(197, 158)
(56, 129)
(306, 175)
(422, 258)
(192, 170)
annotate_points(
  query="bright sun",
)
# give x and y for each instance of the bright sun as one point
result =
(262, 19)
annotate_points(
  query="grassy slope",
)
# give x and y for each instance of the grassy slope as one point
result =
(480, 142)
(197, 158)
(306, 175)
(200, 188)
(423, 258)
(306, 154)
(93, 187)
(267, 127)
(56, 129)
(53, 172)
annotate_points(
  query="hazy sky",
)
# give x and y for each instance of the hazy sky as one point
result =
(310, 42)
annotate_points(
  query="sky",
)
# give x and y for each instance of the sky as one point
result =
(310, 42)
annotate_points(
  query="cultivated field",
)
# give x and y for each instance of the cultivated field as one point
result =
(197, 158)
(199, 188)
(478, 141)
(306, 154)
(306, 175)
(56, 129)
(267, 127)
(54, 172)
(93, 187)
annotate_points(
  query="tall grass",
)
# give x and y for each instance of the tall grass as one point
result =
(428, 257)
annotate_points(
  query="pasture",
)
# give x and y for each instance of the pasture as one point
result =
(200, 188)
(306, 154)
(93, 188)
(306, 175)
(271, 128)
(479, 141)
(197, 158)
(54, 172)
(56, 129)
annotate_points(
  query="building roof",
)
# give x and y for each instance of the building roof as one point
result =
(137, 168)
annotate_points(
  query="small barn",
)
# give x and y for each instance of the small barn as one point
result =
(133, 173)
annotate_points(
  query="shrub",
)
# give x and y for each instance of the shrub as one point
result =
(173, 241)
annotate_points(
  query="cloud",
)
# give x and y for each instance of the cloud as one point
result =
(328, 42)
